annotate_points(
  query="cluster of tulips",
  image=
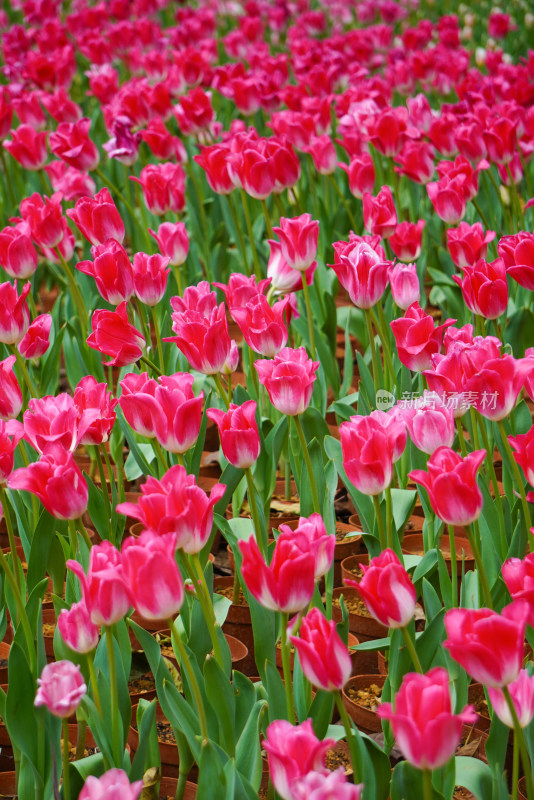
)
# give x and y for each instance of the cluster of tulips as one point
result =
(302, 227)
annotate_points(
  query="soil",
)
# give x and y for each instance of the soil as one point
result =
(145, 683)
(469, 744)
(367, 698)
(355, 605)
(49, 628)
(480, 703)
(228, 592)
(335, 759)
(165, 732)
(3, 663)
(88, 751)
(356, 571)
(462, 794)
(343, 536)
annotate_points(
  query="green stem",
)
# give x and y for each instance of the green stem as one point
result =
(268, 225)
(389, 518)
(306, 454)
(342, 198)
(24, 621)
(371, 337)
(160, 454)
(221, 389)
(185, 663)
(8, 179)
(474, 428)
(517, 474)
(461, 438)
(347, 724)
(520, 737)
(454, 569)
(239, 234)
(286, 668)
(76, 294)
(114, 698)
(382, 328)
(191, 172)
(261, 533)
(94, 683)
(104, 486)
(106, 181)
(83, 530)
(311, 332)
(495, 484)
(207, 608)
(480, 213)
(10, 535)
(80, 739)
(21, 363)
(180, 785)
(410, 646)
(157, 333)
(428, 791)
(65, 751)
(156, 370)
(73, 536)
(178, 279)
(379, 522)
(473, 536)
(515, 768)
(255, 257)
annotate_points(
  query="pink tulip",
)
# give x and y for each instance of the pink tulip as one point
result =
(36, 340)
(406, 241)
(323, 655)
(298, 240)
(44, 215)
(363, 272)
(404, 283)
(57, 481)
(98, 218)
(292, 752)
(10, 435)
(112, 271)
(175, 504)
(173, 242)
(115, 336)
(368, 448)
(18, 256)
(387, 590)
(416, 337)
(60, 688)
(313, 533)
(284, 278)
(28, 147)
(484, 288)
(238, 429)
(288, 583)
(152, 574)
(14, 312)
(379, 213)
(468, 243)
(96, 411)
(518, 575)
(150, 274)
(263, 325)
(472, 634)
(10, 393)
(495, 386)
(70, 142)
(204, 340)
(332, 786)
(112, 785)
(105, 592)
(426, 730)
(361, 174)
(77, 629)
(522, 694)
(289, 379)
(56, 421)
(429, 422)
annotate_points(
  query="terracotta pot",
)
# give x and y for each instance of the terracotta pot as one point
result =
(350, 546)
(413, 545)
(238, 650)
(362, 625)
(167, 788)
(210, 466)
(49, 618)
(349, 566)
(365, 719)
(149, 694)
(8, 785)
(238, 624)
(4, 655)
(522, 789)
(475, 694)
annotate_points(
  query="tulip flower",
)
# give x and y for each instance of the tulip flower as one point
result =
(379, 213)
(404, 283)
(57, 481)
(28, 147)
(298, 240)
(114, 335)
(175, 504)
(242, 289)
(194, 113)
(468, 243)
(323, 655)
(112, 785)
(284, 278)
(214, 161)
(361, 174)
(60, 688)
(451, 485)
(77, 629)
(472, 634)
(362, 272)
(448, 198)
(10, 392)
(96, 409)
(416, 161)
(522, 694)
(318, 786)
(150, 276)
(70, 142)
(263, 325)
(163, 187)
(496, 385)
(517, 252)
(387, 590)
(430, 423)
(151, 572)
(322, 544)
(14, 312)
(288, 379)
(45, 218)
(368, 448)
(406, 241)
(238, 430)
(204, 340)
(18, 256)
(286, 585)
(484, 288)
(10, 435)
(293, 751)
(518, 575)
(416, 337)
(51, 421)
(98, 218)
(105, 592)
(426, 730)
(36, 340)
(112, 271)
(323, 152)
(173, 242)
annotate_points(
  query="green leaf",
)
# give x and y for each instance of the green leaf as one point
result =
(248, 752)
(475, 776)
(407, 783)
(221, 698)
(147, 753)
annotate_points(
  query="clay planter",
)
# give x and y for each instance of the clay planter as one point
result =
(522, 789)
(364, 718)
(238, 624)
(49, 618)
(238, 650)
(363, 626)
(147, 694)
(350, 546)
(350, 566)
(167, 789)
(475, 696)
(8, 785)
(4, 655)
(169, 759)
(352, 641)
(413, 545)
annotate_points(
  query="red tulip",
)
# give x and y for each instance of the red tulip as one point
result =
(451, 485)
(387, 590)
(241, 289)
(10, 435)
(104, 589)
(96, 408)
(77, 629)
(152, 574)
(112, 271)
(44, 216)
(113, 335)
(362, 272)
(18, 256)
(416, 161)
(484, 288)
(175, 504)
(204, 340)
(468, 243)
(379, 213)
(298, 240)
(472, 634)
(57, 481)
(368, 449)
(518, 575)
(167, 409)
(60, 107)
(501, 140)
(289, 379)
(238, 430)
(406, 241)
(71, 142)
(361, 174)
(98, 218)
(14, 312)
(173, 241)
(318, 786)
(263, 325)
(60, 688)
(150, 274)
(523, 444)
(163, 145)
(323, 655)
(10, 393)
(36, 340)
(214, 160)
(495, 386)
(517, 252)
(163, 187)
(323, 152)
(194, 113)
(313, 533)
(448, 198)
(416, 337)
(404, 283)
(28, 147)
(293, 751)
(522, 694)
(426, 730)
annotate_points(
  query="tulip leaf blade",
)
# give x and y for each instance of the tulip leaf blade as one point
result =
(222, 700)
(248, 755)
(147, 753)
(407, 782)
(475, 775)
